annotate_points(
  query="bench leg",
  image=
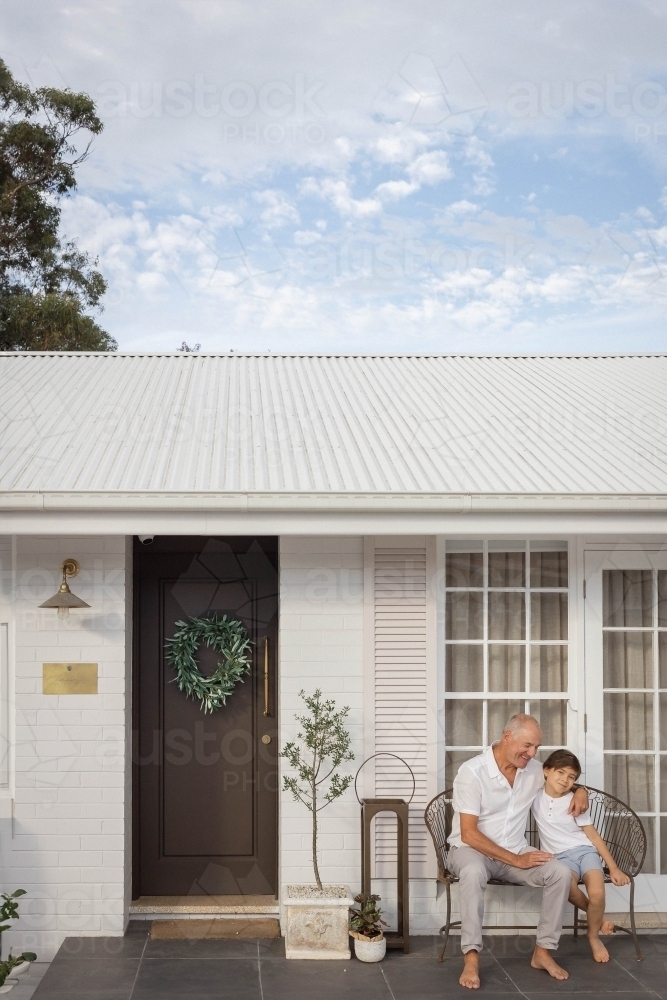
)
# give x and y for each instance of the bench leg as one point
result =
(576, 923)
(444, 931)
(640, 957)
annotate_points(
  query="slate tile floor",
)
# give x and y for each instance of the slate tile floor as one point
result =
(136, 968)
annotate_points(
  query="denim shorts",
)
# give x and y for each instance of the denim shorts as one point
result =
(581, 859)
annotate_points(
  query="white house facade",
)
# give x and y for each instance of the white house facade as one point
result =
(434, 541)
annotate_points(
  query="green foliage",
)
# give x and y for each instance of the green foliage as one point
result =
(45, 285)
(52, 322)
(12, 961)
(225, 636)
(9, 910)
(325, 746)
(367, 919)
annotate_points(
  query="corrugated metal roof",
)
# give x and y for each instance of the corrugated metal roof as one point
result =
(346, 423)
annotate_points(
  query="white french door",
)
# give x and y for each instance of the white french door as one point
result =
(626, 686)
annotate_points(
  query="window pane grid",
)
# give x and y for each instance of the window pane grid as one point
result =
(512, 608)
(635, 701)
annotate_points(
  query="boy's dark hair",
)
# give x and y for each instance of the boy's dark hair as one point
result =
(563, 758)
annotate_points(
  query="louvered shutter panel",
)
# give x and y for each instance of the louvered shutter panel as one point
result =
(400, 652)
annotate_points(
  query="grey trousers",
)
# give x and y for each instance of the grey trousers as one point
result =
(474, 871)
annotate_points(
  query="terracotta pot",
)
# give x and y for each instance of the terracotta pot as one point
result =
(369, 949)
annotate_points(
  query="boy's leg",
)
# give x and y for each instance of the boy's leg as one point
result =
(594, 882)
(577, 897)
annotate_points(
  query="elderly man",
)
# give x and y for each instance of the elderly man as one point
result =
(493, 794)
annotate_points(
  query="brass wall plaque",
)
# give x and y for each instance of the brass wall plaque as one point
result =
(69, 678)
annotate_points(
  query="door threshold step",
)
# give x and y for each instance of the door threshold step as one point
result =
(190, 907)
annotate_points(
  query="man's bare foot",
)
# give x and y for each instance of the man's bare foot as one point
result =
(600, 953)
(607, 927)
(470, 975)
(542, 960)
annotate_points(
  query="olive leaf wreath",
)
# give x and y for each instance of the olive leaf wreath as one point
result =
(226, 636)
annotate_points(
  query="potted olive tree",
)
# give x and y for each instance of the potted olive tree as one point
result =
(316, 916)
(366, 925)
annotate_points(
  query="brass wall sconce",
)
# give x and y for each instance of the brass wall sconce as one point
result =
(65, 599)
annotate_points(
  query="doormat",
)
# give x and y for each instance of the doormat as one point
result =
(220, 927)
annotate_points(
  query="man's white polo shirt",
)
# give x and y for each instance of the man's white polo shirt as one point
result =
(482, 790)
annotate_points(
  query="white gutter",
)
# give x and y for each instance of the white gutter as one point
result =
(333, 503)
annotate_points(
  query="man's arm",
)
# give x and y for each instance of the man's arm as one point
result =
(579, 801)
(472, 837)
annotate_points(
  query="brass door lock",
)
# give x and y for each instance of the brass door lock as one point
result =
(266, 739)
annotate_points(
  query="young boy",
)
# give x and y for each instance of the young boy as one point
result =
(577, 843)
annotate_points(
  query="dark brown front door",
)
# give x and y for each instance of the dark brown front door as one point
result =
(205, 784)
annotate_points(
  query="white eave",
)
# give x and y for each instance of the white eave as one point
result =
(284, 502)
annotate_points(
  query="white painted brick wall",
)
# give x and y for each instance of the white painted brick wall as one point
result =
(321, 645)
(69, 847)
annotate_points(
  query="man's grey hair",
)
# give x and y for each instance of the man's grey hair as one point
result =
(517, 723)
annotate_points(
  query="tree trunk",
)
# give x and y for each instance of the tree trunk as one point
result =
(315, 867)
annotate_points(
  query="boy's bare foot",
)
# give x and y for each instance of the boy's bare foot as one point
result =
(607, 927)
(470, 975)
(600, 953)
(542, 960)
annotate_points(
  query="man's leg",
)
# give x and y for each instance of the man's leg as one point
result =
(555, 878)
(473, 871)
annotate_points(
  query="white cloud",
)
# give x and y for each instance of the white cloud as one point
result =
(279, 209)
(430, 168)
(338, 193)
(393, 190)
(479, 157)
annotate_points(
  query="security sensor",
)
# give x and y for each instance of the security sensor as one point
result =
(146, 539)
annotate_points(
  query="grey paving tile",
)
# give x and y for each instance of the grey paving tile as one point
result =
(227, 948)
(164, 978)
(338, 980)
(67, 976)
(130, 946)
(270, 948)
(46, 994)
(586, 976)
(652, 972)
(420, 971)
(561, 994)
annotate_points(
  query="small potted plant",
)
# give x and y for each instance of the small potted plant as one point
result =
(366, 923)
(316, 916)
(14, 965)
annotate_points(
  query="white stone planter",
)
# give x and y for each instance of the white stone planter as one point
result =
(369, 949)
(316, 923)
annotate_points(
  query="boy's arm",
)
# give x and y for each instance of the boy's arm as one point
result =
(600, 846)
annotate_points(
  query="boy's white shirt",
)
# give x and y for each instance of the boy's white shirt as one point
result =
(559, 830)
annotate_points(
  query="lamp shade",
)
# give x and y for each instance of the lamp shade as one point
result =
(64, 599)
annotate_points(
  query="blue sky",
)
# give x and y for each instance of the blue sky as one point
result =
(462, 176)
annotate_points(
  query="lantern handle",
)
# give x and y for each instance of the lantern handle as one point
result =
(386, 753)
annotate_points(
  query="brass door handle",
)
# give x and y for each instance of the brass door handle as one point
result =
(267, 680)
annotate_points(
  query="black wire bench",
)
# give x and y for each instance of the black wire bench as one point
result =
(618, 825)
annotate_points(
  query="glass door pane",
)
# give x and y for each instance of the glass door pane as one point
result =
(626, 686)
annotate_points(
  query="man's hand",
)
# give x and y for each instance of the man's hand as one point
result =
(618, 877)
(579, 803)
(531, 859)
